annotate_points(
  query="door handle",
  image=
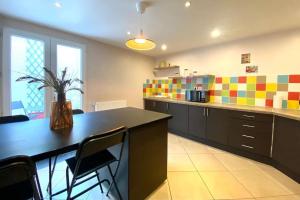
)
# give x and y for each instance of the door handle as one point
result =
(248, 136)
(249, 116)
(248, 126)
(249, 147)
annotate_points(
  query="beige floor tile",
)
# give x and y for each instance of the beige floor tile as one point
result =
(206, 162)
(161, 193)
(279, 177)
(187, 186)
(290, 197)
(259, 184)
(223, 185)
(192, 147)
(173, 138)
(233, 162)
(175, 148)
(214, 150)
(180, 162)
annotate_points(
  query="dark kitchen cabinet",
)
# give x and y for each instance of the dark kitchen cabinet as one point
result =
(197, 121)
(179, 122)
(286, 145)
(157, 106)
(251, 132)
(217, 122)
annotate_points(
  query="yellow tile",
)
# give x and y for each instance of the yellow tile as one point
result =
(251, 79)
(178, 86)
(293, 104)
(226, 80)
(206, 162)
(159, 90)
(148, 90)
(180, 162)
(212, 99)
(271, 87)
(260, 94)
(242, 101)
(161, 193)
(233, 86)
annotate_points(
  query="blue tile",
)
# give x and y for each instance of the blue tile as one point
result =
(148, 81)
(241, 93)
(178, 91)
(233, 80)
(159, 81)
(282, 79)
(205, 80)
(225, 99)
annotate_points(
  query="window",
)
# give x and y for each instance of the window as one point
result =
(27, 53)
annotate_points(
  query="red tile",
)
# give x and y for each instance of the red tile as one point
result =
(233, 93)
(211, 93)
(159, 86)
(269, 102)
(293, 95)
(150, 86)
(144, 90)
(261, 87)
(188, 80)
(174, 80)
(219, 80)
(294, 78)
(178, 96)
(242, 79)
(166, 90)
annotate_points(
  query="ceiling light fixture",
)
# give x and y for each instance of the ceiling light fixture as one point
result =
(187, 4)
(57, 4)
(128, 33)
(140, 43)
(164, 47)
(215, 33)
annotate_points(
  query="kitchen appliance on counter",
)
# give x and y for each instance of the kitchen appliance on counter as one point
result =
(201, 96)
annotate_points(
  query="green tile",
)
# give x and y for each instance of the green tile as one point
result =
(251, 87)
(225, 93)
(250, 101)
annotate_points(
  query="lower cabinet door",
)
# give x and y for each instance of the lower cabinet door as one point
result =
(286, 144)
(179, 121)
(217, 125)
(197, 121)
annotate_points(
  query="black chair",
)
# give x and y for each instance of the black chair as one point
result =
(77, 111)
(93, 155)
(19, 179)
(13, 118)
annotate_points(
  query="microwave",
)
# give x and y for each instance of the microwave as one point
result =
(197, 96)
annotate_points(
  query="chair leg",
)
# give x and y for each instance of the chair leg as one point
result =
(114, 182)
(52, 172)
(70, 188)
(67, 178)
(99, 181)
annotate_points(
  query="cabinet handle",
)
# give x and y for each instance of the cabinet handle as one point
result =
(207, 112)
(248, 136)
(249, 116)
(167, 106)
(246, 146)
(204, 112)
(248, 126)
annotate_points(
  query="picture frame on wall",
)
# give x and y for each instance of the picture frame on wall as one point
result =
(245, 58)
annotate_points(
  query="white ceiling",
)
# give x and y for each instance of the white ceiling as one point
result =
(165, 21)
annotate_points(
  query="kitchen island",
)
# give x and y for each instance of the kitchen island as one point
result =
(144, 163)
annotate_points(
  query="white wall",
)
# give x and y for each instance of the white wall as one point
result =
(277, 53)
(111, 73)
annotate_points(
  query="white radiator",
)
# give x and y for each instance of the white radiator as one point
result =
(108, 105)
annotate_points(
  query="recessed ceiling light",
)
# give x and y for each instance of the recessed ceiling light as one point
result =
(187, 4)
(128, 33)
(164, 47)
(57, 4)
(215, 33)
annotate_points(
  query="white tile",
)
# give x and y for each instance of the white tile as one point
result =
(174, 148)
(294, 87)
(218, 99)
(161, 193)
(271, 79)
(289, 197)
(260, 102)
(192, 147)
(242, 86)
(218, 86)
(233, 162)
(187, 186)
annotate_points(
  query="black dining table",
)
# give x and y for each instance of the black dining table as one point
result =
(144, 167)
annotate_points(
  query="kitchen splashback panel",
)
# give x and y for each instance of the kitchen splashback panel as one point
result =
(241, 90)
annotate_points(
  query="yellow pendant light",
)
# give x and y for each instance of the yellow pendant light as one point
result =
(140, 43)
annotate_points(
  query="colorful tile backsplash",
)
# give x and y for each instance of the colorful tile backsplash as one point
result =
(241, 90)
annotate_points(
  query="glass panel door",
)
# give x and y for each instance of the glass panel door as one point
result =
(70, 57)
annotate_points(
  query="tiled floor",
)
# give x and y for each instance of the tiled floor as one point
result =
(200, 172)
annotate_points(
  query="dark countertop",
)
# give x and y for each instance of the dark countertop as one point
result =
(291, 114)
(34, 138)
